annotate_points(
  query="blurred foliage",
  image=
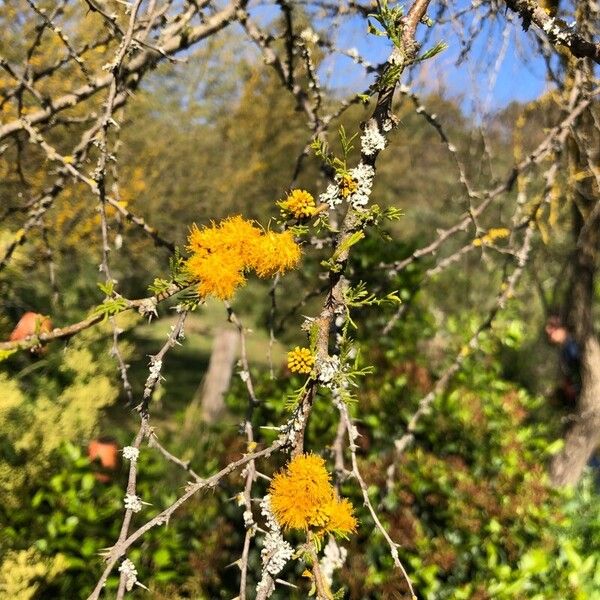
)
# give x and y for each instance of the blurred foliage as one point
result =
(47, 400)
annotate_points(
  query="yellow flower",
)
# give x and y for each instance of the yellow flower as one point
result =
(302, 496)
(300, 360)
(221, 253)
(231, 235)
(220, 274)
(218, 255)
(274, 253)
(236, 232)
(341, 517)
(299, 203)
(300, 491)
(203, 241)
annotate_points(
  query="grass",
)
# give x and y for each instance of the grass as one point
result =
(185, 365)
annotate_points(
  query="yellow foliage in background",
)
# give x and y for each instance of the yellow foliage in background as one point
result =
(493, 234)
(35, 425)
(21, 573)
(80, 27)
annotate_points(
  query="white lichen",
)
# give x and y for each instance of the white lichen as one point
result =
(309, 36)
(353, 54)
(328, 369)
(363, 176)
(372, 140)
(334, 557)
(129, 572)
(331, 196)
(131, 453)
(132, 503)
(276, 552)
(148, 307)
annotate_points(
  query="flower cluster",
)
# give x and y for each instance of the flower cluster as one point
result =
(300, 360)
(354, 187)
(274, 253)
(302, 497)
(371, 140)
(299, 203)
(223, 252)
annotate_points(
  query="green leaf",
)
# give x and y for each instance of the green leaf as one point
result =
(108, 288)
(347, 243)
(555, 447)
(161, 557)
(87, 482)
(437, 49)
(110, 307)
(4, 354)
(535, 561)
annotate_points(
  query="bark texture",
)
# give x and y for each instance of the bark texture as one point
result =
(583, 435)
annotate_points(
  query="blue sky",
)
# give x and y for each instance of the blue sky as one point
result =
(475, 81)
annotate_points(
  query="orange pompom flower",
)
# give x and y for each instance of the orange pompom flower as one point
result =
(231, 235)
(341, 518)
(347, 185)
(220, 274)
(302, 497)
(275, 253)
(222, 253)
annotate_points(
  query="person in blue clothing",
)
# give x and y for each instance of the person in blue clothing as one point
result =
(570, 367)
(569, 360)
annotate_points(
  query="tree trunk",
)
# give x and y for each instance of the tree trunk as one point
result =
(208, 404)
(583, 435)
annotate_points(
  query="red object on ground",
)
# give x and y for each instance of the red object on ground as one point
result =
(105, 450)
(29, 324)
